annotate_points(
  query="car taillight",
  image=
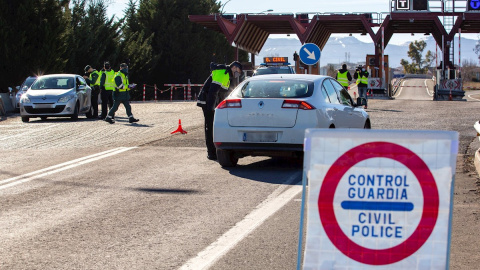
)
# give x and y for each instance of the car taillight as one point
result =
(230, 103)
(296, 104)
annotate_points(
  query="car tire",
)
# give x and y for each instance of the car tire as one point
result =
(25, 119)
(43, 118)
(89, 114)
(74, 116)
(226, 158)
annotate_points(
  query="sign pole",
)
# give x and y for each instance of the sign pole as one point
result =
(302, 215)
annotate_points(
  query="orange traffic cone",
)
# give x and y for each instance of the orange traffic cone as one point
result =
(179, 129)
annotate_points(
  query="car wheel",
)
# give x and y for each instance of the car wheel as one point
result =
(226, 158)
(43, 118)
(89, 114)
(367, 125)
(75, 113)
(25, 119)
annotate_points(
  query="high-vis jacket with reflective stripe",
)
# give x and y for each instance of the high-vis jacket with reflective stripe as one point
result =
(122, 84)
(342, 78)
(109, 80)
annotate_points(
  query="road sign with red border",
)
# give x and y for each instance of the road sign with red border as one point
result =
(379, 199)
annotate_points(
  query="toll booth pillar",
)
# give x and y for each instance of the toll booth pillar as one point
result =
(379, 76)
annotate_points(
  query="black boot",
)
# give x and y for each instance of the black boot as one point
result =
(131, 119)
(109, 120)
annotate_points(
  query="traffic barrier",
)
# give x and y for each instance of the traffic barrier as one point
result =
(187, 94)
(155, 92)
(179, 129)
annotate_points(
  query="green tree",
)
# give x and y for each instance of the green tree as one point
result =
(418, 65)
(92, 37)
(165, 47)
(33, 39)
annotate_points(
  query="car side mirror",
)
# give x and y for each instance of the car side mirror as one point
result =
(17, 87)
(80, 87)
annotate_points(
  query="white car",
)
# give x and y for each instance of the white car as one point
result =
(268, 115)
(64, 95)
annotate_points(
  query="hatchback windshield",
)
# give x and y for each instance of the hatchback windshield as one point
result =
(275, 89)
(53, 83)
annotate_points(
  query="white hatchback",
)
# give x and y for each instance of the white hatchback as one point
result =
(268, 115)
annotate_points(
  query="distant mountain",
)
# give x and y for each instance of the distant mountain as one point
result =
(339, 49)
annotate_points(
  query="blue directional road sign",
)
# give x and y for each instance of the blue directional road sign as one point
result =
(310, 53)
(473, 5)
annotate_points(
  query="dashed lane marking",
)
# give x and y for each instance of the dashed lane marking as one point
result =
(60, 167)
(27, 132)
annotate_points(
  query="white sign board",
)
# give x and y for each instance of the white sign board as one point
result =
(379, 199)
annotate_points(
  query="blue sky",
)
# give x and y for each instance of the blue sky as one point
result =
(306, 6)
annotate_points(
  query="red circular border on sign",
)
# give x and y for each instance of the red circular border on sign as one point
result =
(430, 203)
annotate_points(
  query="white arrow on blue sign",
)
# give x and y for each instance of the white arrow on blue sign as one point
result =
(310, 54)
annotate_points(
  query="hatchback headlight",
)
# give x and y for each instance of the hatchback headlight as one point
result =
(65, 98)
(25, 99)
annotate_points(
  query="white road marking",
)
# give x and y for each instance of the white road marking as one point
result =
(426, 87)
(60, 167)
(401, 88)
(28, 132)
(470, 96)
(242, 229)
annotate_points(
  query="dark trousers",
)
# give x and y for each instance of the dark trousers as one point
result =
(362, 92)
(95, 92)
(209, 115)
(107, 100)
(121, 98)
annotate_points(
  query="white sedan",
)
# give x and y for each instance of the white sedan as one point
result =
(57, 95)
(268, 115)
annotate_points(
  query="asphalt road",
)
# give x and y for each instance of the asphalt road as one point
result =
(415, 89)
(90, 195)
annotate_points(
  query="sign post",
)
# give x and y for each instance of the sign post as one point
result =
(379, 199)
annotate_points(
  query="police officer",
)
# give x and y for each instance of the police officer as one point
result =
(107, 85)
(361, 75)
(343, 76)
(213, 92)
(92, 76)
(121, 95)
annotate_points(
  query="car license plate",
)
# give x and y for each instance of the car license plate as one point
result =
(260, 136)
(43, 106)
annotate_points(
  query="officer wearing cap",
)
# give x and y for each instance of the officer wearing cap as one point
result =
(121, 95)
(107, 85)
(213, 92)
(92, 76)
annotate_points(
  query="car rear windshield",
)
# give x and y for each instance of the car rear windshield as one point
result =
(274, 89)
(53, 83)
(273, 70)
